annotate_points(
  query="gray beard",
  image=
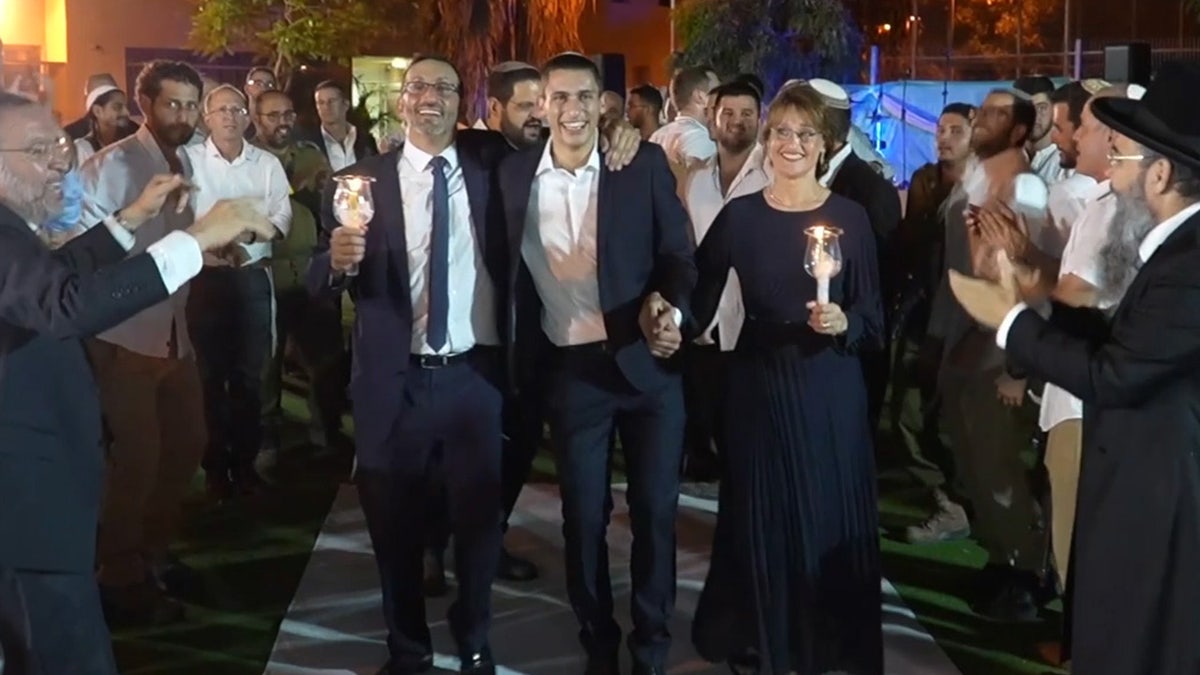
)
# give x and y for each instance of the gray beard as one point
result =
(1119, 260)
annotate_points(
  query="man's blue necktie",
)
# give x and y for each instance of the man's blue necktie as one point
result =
(439, 257)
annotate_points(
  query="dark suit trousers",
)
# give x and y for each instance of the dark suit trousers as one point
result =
(66, 625)
(588, 398)
(229, 317)
(447, 434)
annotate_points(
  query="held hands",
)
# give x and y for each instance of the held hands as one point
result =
(657, 321)
(347, 246)
(228, 220)
(154, 196)
(827, 319)
(619, 140)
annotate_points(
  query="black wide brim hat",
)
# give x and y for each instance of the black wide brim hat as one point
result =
(1165, 119)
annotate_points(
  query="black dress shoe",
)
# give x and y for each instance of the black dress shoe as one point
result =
(513, 568)
(603, 663)
(393, 668)
(480, 662)
(178, 579)
(1013, 602)
(643, 669)
(434, 583)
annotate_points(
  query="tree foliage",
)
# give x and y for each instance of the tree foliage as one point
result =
(994, 26)
(286, 31)
(779, 39)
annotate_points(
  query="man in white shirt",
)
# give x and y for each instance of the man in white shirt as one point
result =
(1080, 284)
(607, 274)
(1136, 544)
(337, 137)
(1069, 194)
(736, 170)
(686, 139)
(1042, 152)
(51, 455)
(149, 383)
(230, 305)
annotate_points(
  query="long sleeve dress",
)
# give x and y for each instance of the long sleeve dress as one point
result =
(795, 563)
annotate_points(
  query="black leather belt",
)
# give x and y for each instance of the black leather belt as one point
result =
(433, 362)
(601, 347)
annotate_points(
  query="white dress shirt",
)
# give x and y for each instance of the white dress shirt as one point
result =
(253, 173)
(112, 179)
(340, 153)
(685, 139)
(559, 247)
(704, 201)
(1149, 245)
(471, 314)
(1081, 258)
(83, 151)
(1067, 200)
(1045, 163)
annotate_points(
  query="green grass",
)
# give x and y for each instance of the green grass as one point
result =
(252, 555)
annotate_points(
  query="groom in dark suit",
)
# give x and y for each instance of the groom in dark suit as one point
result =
(603, 276)
(1135, 592)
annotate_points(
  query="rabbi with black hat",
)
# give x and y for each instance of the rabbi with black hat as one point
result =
(1135, 592)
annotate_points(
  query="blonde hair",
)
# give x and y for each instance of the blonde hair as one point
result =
(807, 102)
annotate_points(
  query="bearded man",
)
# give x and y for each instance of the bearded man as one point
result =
(1136, 598)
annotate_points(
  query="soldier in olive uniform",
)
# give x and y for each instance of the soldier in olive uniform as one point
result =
(312, 327)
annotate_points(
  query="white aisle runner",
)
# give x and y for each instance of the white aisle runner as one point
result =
(334, 626)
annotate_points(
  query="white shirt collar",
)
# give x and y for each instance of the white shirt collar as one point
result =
(756, 161)
(835, 163)
(1099, 190)
(419, 159)
(547, 163)
(1165, 229)
(351, 136)
(248, 154)
(480, 124)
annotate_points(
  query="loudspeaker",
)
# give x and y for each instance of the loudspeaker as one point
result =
(612, 72)
(1128, 63)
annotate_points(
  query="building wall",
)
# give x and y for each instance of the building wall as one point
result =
(99, 31)
(639, 29)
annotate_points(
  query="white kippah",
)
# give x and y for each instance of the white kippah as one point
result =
(1135, 91)
(510, 66)
(833, 95)
(95, 94)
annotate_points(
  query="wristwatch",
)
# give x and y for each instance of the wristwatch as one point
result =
(118, 218)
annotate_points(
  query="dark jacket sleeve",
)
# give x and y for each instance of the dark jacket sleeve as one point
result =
(675, 267)
(1151, 344)
(41, 293)
(91, 251)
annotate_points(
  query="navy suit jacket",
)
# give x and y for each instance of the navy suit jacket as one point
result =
(642, 246)
(51, 457)
(381, 290)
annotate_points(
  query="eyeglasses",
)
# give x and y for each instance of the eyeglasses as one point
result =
(228, 111)
(287, 117)
(805, 136)
(418, 88)
(61, 150)
(1115, 159)
(265, 84)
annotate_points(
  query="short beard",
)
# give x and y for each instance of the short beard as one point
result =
(26, 201)
(1119, 257)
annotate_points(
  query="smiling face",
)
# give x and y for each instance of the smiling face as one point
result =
(31, 175)
(1062, 135)
(430, 100)
(572, 107)
(736, 122)
(795, 142)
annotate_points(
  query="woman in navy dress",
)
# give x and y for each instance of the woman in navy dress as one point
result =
(794, 585)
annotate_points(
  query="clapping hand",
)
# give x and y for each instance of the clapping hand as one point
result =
(657, 321)
(988, 302)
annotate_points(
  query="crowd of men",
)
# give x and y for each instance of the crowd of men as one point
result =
(1043, 194)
